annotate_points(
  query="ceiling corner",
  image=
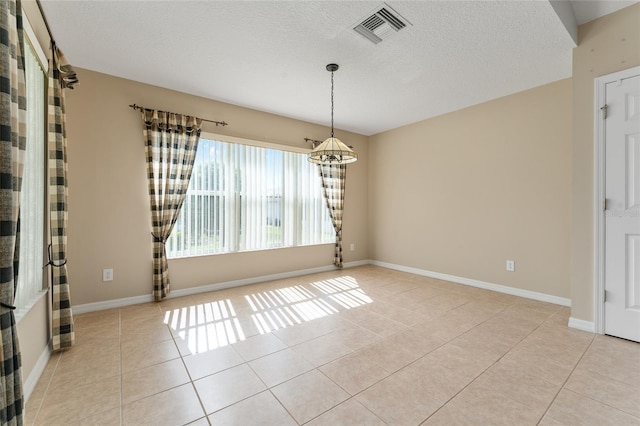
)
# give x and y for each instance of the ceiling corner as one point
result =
(564, 11)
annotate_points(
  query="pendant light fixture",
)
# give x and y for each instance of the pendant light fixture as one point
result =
(332, 150)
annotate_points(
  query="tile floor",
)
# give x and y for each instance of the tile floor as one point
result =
(362, 346)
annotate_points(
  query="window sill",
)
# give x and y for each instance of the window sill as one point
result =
(247, 251)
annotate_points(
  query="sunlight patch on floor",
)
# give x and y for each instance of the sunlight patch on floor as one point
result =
(206, 326)
(212, 325)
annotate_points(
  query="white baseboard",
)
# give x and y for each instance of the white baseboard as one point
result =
(357, 263)
(118, 303)
(30, 383)
(110, 304)
(583, 325)
(480, 284)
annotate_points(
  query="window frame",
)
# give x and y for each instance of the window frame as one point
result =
(31, 41)
(235, 244)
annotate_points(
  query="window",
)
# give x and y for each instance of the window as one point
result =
(32, 195)
(243, 197)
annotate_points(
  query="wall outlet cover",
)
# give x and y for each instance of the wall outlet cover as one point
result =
(107, 275)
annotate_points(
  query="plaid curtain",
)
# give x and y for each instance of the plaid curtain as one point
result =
(59, 78)
(171, 142)
(333, 182)
(13, 116)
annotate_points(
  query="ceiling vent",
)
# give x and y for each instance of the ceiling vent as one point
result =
(381, 24)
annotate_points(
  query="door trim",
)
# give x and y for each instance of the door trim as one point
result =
(599, 192)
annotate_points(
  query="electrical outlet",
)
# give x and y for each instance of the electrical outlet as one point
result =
(511, 266)
(352, 247)
(107, 275)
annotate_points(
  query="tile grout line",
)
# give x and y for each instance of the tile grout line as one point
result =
(483, 371)
(281, 404)
(315, 368)
(191, 381)
(46, 391)
(593, 338)
(606, 378)
(351, 397)
(245, 362)
(492, 364)
(562, 387)
(270, 389)
(402, 368)
(391, 373)
(172, 339)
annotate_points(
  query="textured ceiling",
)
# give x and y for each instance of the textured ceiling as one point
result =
(271, 55)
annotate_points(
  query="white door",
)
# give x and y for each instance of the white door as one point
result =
(622, 215)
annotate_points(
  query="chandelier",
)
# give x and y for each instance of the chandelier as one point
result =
(332, 150)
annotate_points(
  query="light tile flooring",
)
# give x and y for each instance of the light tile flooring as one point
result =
(362, 346)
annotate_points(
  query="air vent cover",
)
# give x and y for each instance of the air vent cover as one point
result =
(381, 24)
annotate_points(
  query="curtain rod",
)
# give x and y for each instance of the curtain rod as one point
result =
(217, 123)
(46, 24)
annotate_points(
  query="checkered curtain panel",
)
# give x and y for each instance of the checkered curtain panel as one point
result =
(13, 116)
(171, 142)
(333, 182)
(62, 325)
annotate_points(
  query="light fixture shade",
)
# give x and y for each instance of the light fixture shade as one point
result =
(332, 151)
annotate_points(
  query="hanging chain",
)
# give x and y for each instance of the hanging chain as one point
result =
(331, 103)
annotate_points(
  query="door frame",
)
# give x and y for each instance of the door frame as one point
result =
(599, 192)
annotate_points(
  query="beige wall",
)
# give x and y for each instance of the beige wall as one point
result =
(461, 193)
(33, 331)
(606, 45)
(109, 219)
